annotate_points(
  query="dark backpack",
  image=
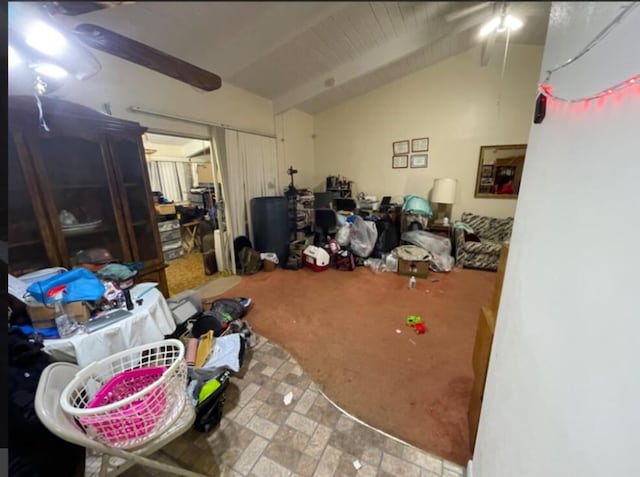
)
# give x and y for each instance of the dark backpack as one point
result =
(250, 261)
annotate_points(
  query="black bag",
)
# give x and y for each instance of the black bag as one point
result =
(209, 411)
(238, 244)
(33, 449)
(229, 306)
(388, 237)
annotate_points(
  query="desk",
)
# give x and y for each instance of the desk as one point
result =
(150, 322)
(190, 238)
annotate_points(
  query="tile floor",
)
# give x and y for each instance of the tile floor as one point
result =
(260, 436)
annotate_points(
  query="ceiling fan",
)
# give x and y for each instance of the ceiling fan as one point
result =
(39, 39)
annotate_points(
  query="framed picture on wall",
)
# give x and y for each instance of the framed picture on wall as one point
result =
(419, 160)
(487, 171)
(401, 147)
(420, 144)
(400, 162)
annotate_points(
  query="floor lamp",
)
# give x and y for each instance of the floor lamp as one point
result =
(443, 195)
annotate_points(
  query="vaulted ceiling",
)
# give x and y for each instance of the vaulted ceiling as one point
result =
(314, 55)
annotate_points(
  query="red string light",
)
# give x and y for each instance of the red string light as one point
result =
(545, 89)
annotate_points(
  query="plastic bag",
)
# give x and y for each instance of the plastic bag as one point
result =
(391, 262)
(435, 244)
(363, 236)
(439, 247)
(376, 265)
(272, 257)
(343, 235)
(81, 285)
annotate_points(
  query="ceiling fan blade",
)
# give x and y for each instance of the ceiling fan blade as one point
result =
(79, 8)
(131, 50)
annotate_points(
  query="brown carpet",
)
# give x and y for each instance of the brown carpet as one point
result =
(341, 327)
(187, 272)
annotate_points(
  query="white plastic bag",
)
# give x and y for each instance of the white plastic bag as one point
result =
(363, 237)
(272, 257)
(376, 265)
(439, 247)
(343, 235)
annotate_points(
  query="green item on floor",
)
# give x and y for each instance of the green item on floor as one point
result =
(208, 389)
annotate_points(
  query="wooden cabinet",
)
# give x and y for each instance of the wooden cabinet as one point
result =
(482, 348)
(82, 184)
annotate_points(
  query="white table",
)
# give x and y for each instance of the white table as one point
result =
(149, 322)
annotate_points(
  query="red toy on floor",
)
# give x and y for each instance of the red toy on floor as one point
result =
(415, 322)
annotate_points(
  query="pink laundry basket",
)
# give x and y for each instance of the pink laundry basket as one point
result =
(129, 398)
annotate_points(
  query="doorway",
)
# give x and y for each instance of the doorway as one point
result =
(183, 182)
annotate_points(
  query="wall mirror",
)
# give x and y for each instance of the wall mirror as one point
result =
(500, 171)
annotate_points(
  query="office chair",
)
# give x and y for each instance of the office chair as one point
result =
(346, 203)
(325, 224)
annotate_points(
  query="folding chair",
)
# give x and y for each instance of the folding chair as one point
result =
(54, 379)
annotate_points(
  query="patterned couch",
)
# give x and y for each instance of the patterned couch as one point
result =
(485, 254)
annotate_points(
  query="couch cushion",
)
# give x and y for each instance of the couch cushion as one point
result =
(486, 246)
(490, 228)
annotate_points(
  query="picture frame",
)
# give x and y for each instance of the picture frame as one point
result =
(400, 162)
(487, 171)
(401, 147)
(419, 160)
(420, 144)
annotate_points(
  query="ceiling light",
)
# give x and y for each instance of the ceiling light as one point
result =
(513, 23)
(500, 25)
(14, 57)
(45, 39)
(52, 71)
(490, 26)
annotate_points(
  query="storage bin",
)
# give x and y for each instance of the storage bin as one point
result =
(173, 254)
(170, 235)
(168, 225)
(166, 246)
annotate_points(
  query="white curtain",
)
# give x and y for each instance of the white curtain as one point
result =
(251, 169)
(183, 172)
(154, 176)
(173, 179)
(169, 181)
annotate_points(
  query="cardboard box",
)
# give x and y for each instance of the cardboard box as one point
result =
(418, 269)
(165, 209)
(41, 315)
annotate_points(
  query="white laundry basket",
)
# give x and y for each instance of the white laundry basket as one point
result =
(131, 397)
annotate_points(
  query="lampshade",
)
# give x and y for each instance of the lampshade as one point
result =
(444, 191)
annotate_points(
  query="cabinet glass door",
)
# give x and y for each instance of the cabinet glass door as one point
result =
(27, 250)
(83, 206)
(134, 177)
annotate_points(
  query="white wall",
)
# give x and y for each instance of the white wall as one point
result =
(124, 84)
(454, 103)
(295, 147)
(563, 390)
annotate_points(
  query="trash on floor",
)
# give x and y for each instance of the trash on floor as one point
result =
(398, 331)
(357, 464)
(288, 398)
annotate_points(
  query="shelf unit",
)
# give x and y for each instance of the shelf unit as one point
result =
(90, 165)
